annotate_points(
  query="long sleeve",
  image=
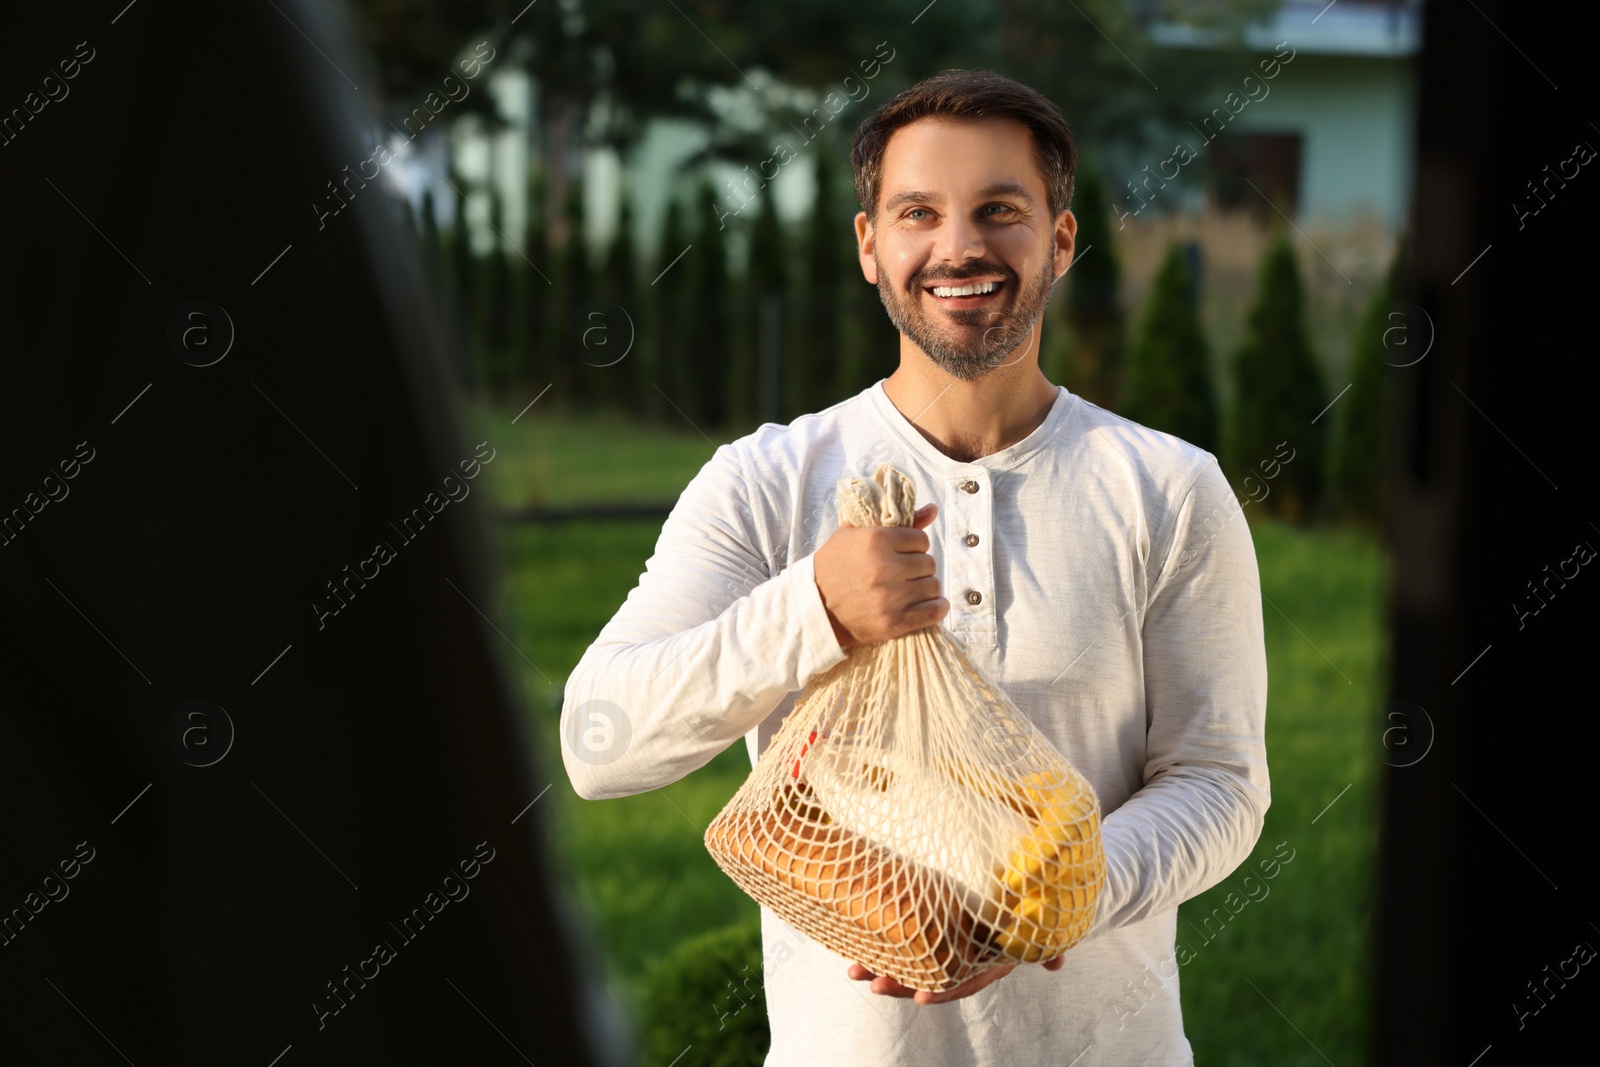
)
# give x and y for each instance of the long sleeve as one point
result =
(1206, 790)
(702, 650)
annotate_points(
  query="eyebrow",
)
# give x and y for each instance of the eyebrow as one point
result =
(1002, 188)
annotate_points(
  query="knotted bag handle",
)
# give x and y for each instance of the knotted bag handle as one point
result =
(886, 499)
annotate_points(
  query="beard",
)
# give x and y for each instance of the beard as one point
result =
(977, 340)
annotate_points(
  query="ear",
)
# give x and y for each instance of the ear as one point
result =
(1066, 234)
(866, 242)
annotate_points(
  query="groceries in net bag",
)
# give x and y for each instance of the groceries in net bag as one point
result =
(907, 815)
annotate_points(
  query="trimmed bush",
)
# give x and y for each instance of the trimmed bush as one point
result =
(708, 993)
(1169, 366)
(1356, 463)
(1279, 391)
(1095, 326)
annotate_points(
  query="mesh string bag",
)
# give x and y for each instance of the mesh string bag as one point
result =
(907, 815)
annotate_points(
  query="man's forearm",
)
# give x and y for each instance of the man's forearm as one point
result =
(643, 708)
(1174, 839)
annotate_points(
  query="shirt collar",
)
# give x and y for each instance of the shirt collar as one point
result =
(1006, 458)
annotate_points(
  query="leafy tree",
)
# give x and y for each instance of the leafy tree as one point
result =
(1098, 60)
(1169, 367)
(1094, 317)
(1356, 463)
(1279, 391)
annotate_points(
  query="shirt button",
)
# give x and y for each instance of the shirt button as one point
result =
(974, 597)
(969, 486)
(971, 539)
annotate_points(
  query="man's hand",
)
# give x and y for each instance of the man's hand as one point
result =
(877, 582)
(890, 988)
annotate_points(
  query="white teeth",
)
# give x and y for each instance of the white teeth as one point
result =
(965, 290)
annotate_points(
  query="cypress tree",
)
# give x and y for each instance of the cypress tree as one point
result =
(408, 219)
(615, 363)
(535, 286)
(431, 251)
(870, 342)
(1094, 319)
(767, 281)
(1169, 368)
(464, 283)
(428, 240)
(497, 298)
(707, 310)
(670, 377)
(1279, 390)
(1356, 462)
(575, 284)
(818, 373)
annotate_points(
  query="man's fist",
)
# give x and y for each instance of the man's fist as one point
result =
(878, 582)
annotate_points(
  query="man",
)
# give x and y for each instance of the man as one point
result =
(1095, 570)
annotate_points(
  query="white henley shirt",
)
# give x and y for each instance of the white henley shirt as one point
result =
(1100, 571)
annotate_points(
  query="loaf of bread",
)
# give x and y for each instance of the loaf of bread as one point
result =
(899, 920)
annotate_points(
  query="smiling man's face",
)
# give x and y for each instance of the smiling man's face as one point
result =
(962, 205)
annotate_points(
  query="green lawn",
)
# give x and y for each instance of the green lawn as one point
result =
(639, 871)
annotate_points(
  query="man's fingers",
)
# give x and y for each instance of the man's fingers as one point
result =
(924, 515)
(882, 985)
(907, 539)
(888, 987)
(967, 988)
(1055, 964)
(934, 609)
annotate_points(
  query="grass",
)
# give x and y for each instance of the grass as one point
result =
(549, 457)
(1285, 981)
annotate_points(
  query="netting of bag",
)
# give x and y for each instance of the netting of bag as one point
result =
(907, 815)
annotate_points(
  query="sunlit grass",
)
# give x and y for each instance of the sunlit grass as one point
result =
(639, 870)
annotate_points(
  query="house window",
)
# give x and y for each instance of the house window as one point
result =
(1270, 161)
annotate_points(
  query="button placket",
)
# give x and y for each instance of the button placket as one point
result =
(970, 578)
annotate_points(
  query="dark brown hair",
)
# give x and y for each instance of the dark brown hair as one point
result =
(968, 94)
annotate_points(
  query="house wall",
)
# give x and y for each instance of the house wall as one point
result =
(1355, 116)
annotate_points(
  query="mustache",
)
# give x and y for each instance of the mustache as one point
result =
(976, 270)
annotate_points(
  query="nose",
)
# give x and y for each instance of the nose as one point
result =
(960, 239)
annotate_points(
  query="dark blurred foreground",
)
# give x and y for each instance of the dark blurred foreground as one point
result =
(265, 786)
